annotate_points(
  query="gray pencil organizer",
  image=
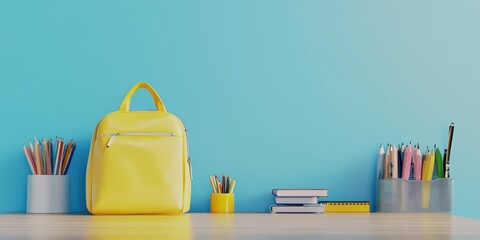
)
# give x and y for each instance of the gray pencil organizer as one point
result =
(412, 196)
(48, 194)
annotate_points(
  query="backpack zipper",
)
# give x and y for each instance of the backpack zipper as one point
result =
(190, 168)
(154, 134)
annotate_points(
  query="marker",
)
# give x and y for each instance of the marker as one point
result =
(439, 163)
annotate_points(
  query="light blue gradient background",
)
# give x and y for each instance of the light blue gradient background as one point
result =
(276, 93)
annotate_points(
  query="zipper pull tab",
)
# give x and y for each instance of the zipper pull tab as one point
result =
(109, 143)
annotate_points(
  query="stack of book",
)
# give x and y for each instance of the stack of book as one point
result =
(298, 200)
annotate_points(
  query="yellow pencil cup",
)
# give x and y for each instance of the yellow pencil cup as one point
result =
(222, 203)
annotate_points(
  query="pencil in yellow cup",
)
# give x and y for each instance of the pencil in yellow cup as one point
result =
(214, 183)
(233, 186)
(225, 186)
(222, 199)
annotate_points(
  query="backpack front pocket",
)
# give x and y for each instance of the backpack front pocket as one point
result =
(140, 172)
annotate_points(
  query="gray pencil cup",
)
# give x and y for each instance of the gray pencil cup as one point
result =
(48, 194)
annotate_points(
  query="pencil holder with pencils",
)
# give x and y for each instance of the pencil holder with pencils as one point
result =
(409, 181)
(222, 199)
(415, 196)
(48, 189)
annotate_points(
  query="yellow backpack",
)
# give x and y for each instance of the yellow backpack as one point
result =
(138, 162)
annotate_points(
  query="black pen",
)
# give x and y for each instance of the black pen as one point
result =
(449, 150)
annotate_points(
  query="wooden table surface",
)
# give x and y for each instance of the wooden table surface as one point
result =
(240, 226)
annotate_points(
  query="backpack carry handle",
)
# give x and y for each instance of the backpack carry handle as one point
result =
(125, 106)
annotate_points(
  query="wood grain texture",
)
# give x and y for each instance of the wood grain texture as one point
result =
(240, 226)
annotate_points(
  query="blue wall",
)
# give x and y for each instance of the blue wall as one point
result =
(275, 93)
